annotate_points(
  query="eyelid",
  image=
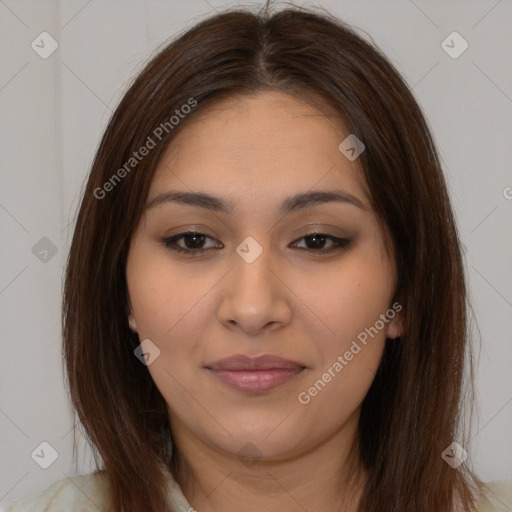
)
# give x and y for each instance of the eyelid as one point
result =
(338, 242)
(174, 238)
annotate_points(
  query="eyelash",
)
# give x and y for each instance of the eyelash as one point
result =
(340, 243)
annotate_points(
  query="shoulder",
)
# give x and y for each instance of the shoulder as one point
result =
(80, 493)
(496, 496)
(89, 493)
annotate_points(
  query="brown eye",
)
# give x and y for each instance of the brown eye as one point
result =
(192, 240)
(315, 242)
(193, 243)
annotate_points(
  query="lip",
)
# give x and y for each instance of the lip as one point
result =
(255, 374)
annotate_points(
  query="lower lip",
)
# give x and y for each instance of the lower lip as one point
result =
(256, 381)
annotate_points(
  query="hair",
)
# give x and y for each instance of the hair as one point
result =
(414, 408)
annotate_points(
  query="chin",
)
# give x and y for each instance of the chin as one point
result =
(267, 442)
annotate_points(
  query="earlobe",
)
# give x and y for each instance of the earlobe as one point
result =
(394, 329)
(132, 323)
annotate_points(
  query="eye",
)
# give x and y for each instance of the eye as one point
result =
(194, 243)
(316, 241)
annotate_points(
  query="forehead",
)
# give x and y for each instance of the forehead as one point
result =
(266, 142)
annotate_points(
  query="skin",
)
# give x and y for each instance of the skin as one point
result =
(256, 151)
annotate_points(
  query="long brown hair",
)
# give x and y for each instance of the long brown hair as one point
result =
(413, 409)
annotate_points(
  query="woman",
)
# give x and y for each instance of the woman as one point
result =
(265, 304)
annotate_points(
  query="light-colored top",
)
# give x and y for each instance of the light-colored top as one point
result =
(86, 493)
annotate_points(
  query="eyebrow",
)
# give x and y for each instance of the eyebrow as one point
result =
(292, 204)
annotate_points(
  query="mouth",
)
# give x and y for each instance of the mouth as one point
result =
(254, 375)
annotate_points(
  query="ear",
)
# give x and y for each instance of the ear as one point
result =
(395, 327)
(132, 323)
(131, 318)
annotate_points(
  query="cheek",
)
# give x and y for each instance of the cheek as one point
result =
(348, 299)
(172, 307)
(332, 396)
(165, 298)
(350, 343)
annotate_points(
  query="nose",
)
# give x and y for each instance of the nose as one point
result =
(255, 296)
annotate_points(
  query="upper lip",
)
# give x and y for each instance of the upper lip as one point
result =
(264, 362)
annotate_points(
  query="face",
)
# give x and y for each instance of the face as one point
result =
(268, 267)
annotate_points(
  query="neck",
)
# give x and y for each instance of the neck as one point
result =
(328, 477)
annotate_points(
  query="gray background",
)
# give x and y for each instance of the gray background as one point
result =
(54, 110)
